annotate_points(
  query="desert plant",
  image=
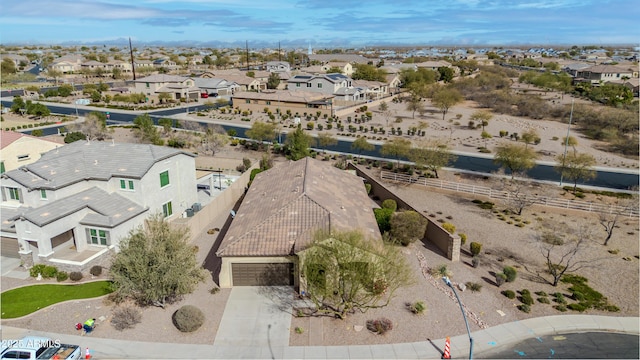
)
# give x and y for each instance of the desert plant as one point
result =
(524, 308)
(417, 307)
(125, 317)
(500, 279)
(463, 238)
(561, 307)
(96, 270)
(188, 318)
(475, 248)
(62, 276)
(299, 330)
(449, 227)
(475, 261)
(544, 300)
(75, 276)
(36, 269)
(440, 271)
(473, 286)
(509, 293)
(379, 326)
(214, 290)
(525, 297)
(511, 273)
(390, 204)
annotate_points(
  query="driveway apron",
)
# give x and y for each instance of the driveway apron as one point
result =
(255, 318)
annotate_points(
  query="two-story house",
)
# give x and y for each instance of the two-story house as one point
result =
(322, 83)
(78, 201)
(179, 87)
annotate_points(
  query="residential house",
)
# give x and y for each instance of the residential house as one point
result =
(322, 83)
(245, 82)
(78, 201)
(93, 65)
(215, 87)
(19, 149)
(278, 66)
(179, 87)
(67, 64)
(279, 216)
(603, 73)
(164, 63)
(373, 89)
(434, 65)
(296, 101)
(345, 67)
(350, 58)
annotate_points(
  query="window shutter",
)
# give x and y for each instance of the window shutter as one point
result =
(20, 196)
(4, 195)
(88, 236)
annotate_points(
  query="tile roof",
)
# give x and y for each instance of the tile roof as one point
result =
(162, 78)
(95, 160)
(283, 95)
(105, 209)
(287, 204)
(9, 137)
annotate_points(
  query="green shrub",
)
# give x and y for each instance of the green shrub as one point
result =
(96, 270)
(509, 293)
(510, 272)
(367, 186)
(526, 299)
(541, 293)
(383, 218)
(524, 308)
(253, 174)
(36, 269)
(580, 307)
(125, 317)
(299, 330)
(449, 227)
(49, 272)
(612, 308)
(500, 279)
(561, 307)
(75, 276)
(487, 205)
(475, 248)
(463, 238)
(473, 286)
(417, 307)
(390, 204)
(544, 300)
(62, 276)
(379, 326)
(578, 296)
(440, 271)
(559, 298)
(188, 318)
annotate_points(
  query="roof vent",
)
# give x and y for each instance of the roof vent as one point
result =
(95, 162)
(296, 189)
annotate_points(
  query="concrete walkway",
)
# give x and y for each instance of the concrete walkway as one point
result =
(484, 340)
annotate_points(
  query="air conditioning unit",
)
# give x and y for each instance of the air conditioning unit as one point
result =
(197, 207)
(189, 212)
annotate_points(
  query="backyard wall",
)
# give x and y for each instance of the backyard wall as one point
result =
(449, 244)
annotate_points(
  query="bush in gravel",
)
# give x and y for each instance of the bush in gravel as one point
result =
(62, 276)
(500, 279)
(449, 227)
(524, 308)
(49, 272)
(417, 307)
(390, 204)
(525, 297)
(544, 300)
(561, 307)
(96, 270)
(125, 317)
(463, 238)
(509, 293)
(440, 271)
(188, 318)
(379, 326)
(75, 276)
(511, 273)
(475, 248)
(473, 286)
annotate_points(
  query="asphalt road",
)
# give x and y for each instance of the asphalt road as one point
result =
(613, 179)
(590, 345)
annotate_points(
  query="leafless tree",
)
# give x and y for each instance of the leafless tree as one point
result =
(561, 246)
(93, 127)
(609, 218)
(520, 194)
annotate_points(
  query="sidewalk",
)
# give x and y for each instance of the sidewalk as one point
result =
(484, 340)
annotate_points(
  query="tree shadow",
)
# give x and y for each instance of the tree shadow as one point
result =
(489, 281)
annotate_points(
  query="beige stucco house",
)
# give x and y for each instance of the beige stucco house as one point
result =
(18, 149)
(281, 212)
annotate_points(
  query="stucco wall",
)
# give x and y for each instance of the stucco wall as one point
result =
(449, 244)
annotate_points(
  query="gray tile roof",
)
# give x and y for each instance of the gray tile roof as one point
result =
(7, 216)
(105, 210)
(94, 160)
(287, 204)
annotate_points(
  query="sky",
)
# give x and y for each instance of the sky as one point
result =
(321, 23)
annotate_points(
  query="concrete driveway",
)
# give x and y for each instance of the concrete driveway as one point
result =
(10, 267)
(255, 324)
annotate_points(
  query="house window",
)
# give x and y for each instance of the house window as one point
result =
(98, 237)
(164, 178)
(43, 194)
(308, 84)
(247, 101)
(268, 102)
(2, 170)
(167, 209)
(23, 157)
(147, 85)
(124, 184)
(319, 85)
(297, 84)
(14, 193)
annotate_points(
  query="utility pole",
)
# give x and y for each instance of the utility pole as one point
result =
(246, 43)
(133, 65)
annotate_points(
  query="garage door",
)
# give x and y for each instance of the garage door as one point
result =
(9, 247)
(262, 274)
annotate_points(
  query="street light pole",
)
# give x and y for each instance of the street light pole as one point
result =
(464, 316)
(566, 142)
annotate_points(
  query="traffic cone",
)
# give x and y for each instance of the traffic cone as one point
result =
(447, 349)
(87, 354)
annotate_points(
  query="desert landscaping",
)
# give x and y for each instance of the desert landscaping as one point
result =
(615, 274)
